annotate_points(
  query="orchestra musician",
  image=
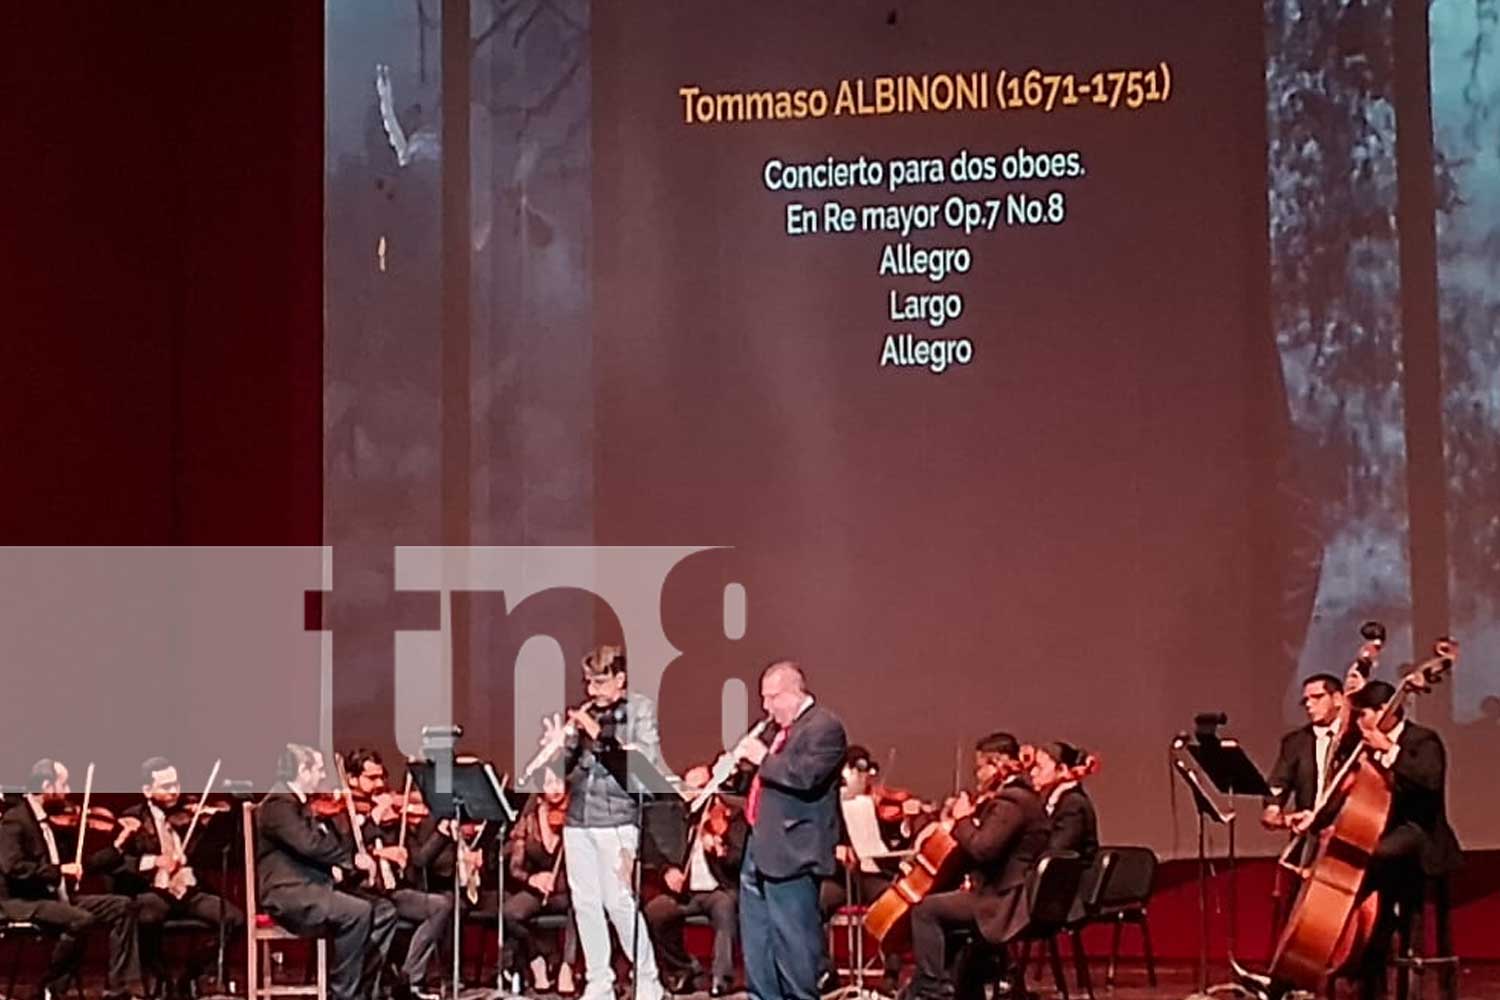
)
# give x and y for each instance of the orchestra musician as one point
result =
(381, 821)
(601, 836)
(1417, 843)
(1308, 757)
(154, 870)
(306, 872)
(41, 883)
(706, 881)
(535, 863)
(1003, 831)
(1055, 776)
(793, 815)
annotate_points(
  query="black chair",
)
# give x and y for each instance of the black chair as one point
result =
(1116, 891)
(1051, 891)
(24, 933)
(1414, 957)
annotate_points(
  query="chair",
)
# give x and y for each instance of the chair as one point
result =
(262, 935)
(1414, 959)
(1123, 880)
(1051, 890)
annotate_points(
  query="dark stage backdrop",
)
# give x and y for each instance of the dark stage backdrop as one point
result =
(1067, 369)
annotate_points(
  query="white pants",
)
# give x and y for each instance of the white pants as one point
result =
(599, 875)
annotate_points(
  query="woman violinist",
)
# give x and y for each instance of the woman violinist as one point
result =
(538, 884)
(1057, 773)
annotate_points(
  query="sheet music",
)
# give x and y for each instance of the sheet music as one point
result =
(864, 831)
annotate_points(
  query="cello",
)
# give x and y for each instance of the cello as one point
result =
(937, 865)
(1332, 918)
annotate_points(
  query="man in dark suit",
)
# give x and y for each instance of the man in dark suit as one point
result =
(793, 815)
(300, 865)
(706, 881)
(41, 886)
(1417, 843)
(1003, 837)
(1308, 756)
(154, 872)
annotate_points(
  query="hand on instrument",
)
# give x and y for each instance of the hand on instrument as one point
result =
(552, 727)
(713, 845)
(365, 863)
(395, 855)
(1373, 737)
(844, 855)
(963, 806)
(383, 809)
(72, 870)
(674, 878)
(1272, 818)
(752, 749)
(128, 826)
(473, 860)
(585, 722)
(1300, 822)
(542, 882)
(168, 864)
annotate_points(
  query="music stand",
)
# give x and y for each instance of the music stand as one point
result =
(1215, 770)
(473, 791)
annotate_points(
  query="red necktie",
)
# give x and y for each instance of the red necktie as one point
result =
(752, 805)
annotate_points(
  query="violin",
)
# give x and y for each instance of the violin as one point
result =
(326, 805)
(894, 805)
(181, 815)
(100, 819)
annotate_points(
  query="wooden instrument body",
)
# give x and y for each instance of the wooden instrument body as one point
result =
(1330, 922)
(937, 866)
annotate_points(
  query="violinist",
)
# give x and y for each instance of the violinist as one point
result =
(41, 879)
(305, 869)
(1003, 830)
(382, 817)
(536, 866)
(706, 882)
(1417, 843)
(1057, 771)
(154, 869)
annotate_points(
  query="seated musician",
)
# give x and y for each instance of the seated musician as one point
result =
(1056, 775)
(305, 871)
(705, 882)
(1417, 843)
(868, 877)
(42, 885)
(1308, 756)
(154, 871)
(429, 914)
(1002, 831)
(538, 884)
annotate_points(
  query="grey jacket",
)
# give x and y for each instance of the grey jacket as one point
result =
(602, 776)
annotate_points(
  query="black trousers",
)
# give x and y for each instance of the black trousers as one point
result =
(1396, 874)
(73, 921)
(430, 915)
(521, 943)
(940, 971)
(361, 927)
(665, 915)
(153, 909)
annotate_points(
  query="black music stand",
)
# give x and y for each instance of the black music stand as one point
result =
(1215, 770)
(471, 790)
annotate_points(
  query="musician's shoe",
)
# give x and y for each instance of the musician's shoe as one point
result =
(720, 987)
(680, 983)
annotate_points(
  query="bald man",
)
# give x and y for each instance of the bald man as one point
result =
(793, 813)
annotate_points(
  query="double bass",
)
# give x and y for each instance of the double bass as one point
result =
(1332, 918)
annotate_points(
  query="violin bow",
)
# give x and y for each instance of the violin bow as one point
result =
(83, 816)
(213, 776)
(405, 808)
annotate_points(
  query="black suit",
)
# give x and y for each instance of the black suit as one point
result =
(1294, 776)
(1074, 826)
(1417, 843)
(428, 914)
(31, 885)
(1004, 841)
(791, 844)
(296, 855)
(155, 907)
(667, 911)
